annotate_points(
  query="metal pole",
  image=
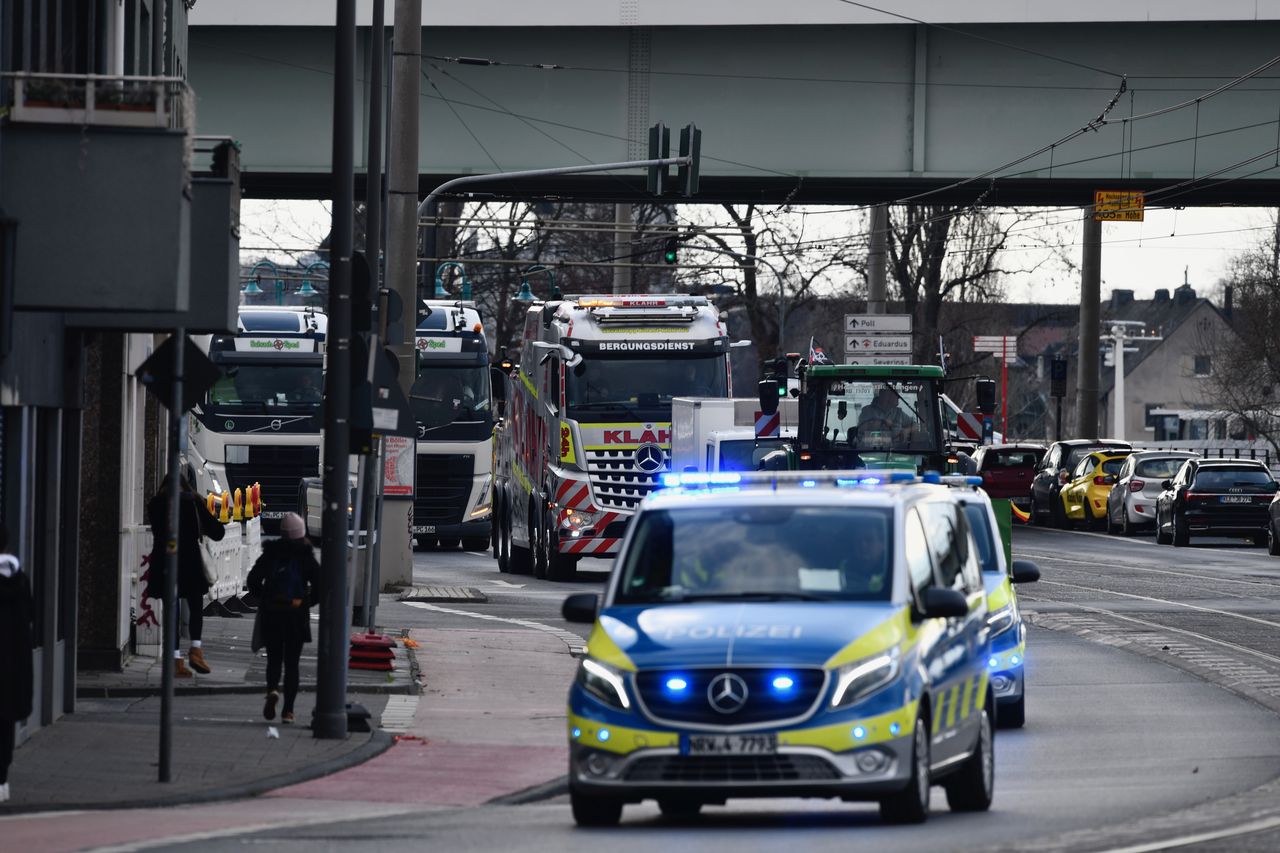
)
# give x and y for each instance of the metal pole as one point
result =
(1117, 336)
(1087, 366)
(171, 562)
(1004, 389)
(157, 38)
(330, 719)
(622, 246)
(373, 251)
(1057, 423)
(877, 259)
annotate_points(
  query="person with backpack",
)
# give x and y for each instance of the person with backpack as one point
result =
(284, 581)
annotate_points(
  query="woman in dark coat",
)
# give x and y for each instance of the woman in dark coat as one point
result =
(194, 521)
(284, 580)
(16, 618)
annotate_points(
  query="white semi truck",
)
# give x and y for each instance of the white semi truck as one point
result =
(587, 430)
(452, 404)
(260, 422)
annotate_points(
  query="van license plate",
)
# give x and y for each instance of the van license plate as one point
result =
(729, 744)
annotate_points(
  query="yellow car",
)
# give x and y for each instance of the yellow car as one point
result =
(1084, 495)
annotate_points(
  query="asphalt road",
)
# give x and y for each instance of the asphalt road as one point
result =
(1150, 718)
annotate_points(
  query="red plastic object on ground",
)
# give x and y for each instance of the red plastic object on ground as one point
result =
(371, 651)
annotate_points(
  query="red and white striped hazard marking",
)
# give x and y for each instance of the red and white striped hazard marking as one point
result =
(588, 547)
(768, 425)
(969, 425)
(574, 494)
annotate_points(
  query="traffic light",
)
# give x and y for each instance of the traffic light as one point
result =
(659, 149)
(985, 391)
(671, 253)
(690, 146)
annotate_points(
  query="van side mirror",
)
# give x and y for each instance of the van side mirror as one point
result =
(939, 603)
(581, 607)
(1024, 571)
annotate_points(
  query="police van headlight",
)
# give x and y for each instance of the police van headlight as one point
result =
(603, 682)
(1001, 620)
(859, 680)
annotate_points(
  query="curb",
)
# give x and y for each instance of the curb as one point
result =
(547, 790)
(379, 742)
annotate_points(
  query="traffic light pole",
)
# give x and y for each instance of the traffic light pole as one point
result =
(466, 180)
(330, 718)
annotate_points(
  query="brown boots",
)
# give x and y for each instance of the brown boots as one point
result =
(198, 662)
(180, 669)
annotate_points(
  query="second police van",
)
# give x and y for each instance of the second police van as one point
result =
(787, 634)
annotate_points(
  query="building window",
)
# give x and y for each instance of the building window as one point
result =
(1203, 365)
(1150, 420)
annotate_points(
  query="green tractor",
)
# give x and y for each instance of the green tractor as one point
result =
(863, 417)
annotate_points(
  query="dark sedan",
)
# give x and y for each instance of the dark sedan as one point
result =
(1219, 497)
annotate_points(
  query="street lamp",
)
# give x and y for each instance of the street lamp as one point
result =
(307, 290)
(526, 292)
(441, 293)
(254, 288)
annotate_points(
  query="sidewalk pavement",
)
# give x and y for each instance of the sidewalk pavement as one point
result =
(236, 669)
(106, 753)
(490, 725)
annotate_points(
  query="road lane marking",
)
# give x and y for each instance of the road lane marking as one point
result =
(1056, 558)
(577, 645)
(1266, 622)
(506, 584)
(1148, 543)
(1187, 840)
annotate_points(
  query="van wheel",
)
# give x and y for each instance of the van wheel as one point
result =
(911, 804)
(971, 787)
(594, 811)
(1013, 715)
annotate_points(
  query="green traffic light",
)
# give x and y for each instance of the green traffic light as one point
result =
(669, 257)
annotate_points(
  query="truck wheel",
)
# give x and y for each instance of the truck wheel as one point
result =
(494, 528)
(520, 561)
(502, 548)
(537, 536)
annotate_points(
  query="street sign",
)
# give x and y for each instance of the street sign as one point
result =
(995, 343)
(969, 425)
(768, 426)
(879, 360)
(863, 323)
(199, 373)
(1118, 206)
(863, 343)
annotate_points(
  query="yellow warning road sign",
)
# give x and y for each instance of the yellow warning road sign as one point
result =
(1118, 206)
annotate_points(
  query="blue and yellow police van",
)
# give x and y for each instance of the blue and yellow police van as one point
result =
(766, 634)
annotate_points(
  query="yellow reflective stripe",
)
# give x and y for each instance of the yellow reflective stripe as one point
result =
(528, 384)
(839, 737)
(894, 631)
(939, 711)
(602, 647)
(982, 691)
(952, 696)
(620, 739)
(1000, 596)
(521, 477)
(967, 697)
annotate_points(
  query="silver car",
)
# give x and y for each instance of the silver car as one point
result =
(1131, 503)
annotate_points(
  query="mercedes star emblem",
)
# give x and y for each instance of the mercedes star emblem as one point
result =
(649, 458)
(727, 693)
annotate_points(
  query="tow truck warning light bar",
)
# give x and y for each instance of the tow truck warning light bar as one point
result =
(633, 300)
(811, 479)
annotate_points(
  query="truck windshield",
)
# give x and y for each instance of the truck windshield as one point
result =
(271, 388)
(445, 395)
(759, 552)
(880, 415)
(606, 385)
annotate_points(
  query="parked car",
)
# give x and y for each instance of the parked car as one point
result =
(1222, 497)
(1084, 497)
(1060, 459)
(1007, 469)
(1131, 504)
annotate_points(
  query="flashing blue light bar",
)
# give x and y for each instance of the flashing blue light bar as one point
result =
(783, 683)
(677, 685)
(931, 477)
(699, 478)
(808, 484)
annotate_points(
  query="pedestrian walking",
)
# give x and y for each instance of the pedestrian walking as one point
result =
(17, 616)
(284, 581)
(194, 523)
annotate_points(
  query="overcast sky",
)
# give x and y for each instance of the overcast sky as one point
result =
(1139, 256)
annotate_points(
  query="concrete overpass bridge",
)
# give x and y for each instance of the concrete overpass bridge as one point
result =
(812, 101)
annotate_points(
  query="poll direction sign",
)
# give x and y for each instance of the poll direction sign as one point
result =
(879, 360)
(861, 324)
(863, 344)
(1118, 206)
(1001, 346)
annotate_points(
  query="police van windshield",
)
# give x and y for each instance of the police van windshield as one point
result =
(983, 535)
(444, 395)
(759, 553)
(267, 388)
(608, 386)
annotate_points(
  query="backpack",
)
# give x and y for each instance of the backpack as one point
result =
(284, 585)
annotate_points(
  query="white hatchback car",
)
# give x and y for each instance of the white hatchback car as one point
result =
(1131, 503)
